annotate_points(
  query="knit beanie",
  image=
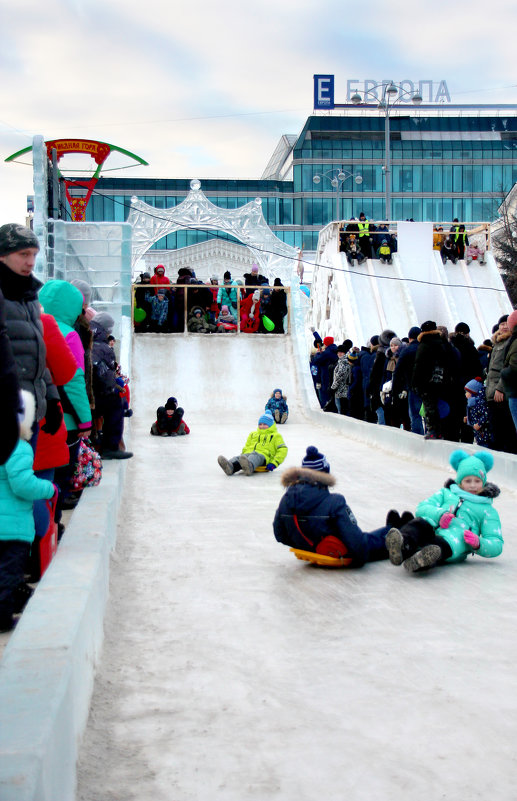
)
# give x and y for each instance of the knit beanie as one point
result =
(227, 276)
(462, 328)
(105, 320)
(315, 460)
(224, 309)
(266, 418)
(254, 268)
(475, 386)
(395, 341)
(352, 356)
(429, 325)
(413, 332)
(328, 341)
(502, 319)
(15, 237)
(171, 403)
(277, 282)
(465, 464)
(374, 340)
(256, 296)
(386, 337)
(511, 321)
(84, 288)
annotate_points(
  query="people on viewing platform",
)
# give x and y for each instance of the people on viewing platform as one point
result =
(430, 383)
(254, 279)
(198, 324)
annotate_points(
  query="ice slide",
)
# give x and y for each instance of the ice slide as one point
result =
(360, 300)
(232, 671)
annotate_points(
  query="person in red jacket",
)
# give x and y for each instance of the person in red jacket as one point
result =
(250, 312)
(51, 449)
(159, 277)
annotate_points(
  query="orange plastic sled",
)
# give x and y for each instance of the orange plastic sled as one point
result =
(321, 559)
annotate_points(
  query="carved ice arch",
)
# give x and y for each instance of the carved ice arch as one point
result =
(246, 224)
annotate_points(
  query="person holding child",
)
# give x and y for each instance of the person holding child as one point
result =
(264, 447)
(478, 415)
(455, 522)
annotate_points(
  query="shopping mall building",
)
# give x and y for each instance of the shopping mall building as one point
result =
(443, 161)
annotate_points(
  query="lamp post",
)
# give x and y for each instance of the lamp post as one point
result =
(339, 176)
(391, 94)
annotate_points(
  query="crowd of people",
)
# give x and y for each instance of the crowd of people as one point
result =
(430, 382)
(64, 400)
(250, 305)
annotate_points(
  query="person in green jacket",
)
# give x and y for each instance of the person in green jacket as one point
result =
(455, 522)
(19, 488)
(264, 447)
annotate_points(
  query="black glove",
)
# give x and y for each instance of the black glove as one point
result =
(53, 416)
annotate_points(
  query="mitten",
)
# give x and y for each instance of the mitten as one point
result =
(445, 520)
(271, 466)
(471, 539)
(53, 416)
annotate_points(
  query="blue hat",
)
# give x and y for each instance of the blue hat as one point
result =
(315, 460)
(466, 464)
(475, 386)
(266, 418)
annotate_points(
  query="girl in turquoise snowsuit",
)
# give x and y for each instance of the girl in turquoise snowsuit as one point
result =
(456, 521)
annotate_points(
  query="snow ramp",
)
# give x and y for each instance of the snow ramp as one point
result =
(233, 671)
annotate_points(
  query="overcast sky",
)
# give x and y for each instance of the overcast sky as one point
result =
(204, 89)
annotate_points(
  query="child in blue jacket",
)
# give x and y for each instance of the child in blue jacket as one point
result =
(455, 522)
(277, 405)
(19, 488)
(478, 416)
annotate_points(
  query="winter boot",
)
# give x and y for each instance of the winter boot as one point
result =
(226, 465)
(21, 597)
(246, 464)
(276, 415)
(395, 544)
(425, 559)
(284, 417)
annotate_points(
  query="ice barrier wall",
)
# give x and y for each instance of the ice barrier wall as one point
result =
(48, 668)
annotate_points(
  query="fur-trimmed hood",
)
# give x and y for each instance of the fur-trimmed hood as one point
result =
(297, 475)
(283, 397)
(489, 490)
(501, 336)
(423, 334)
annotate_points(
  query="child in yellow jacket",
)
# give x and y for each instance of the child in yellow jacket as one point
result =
(264, 447)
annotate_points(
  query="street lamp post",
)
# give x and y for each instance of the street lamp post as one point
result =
(339, 176)
(391, 94)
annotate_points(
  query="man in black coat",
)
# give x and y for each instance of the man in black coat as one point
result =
(402, 380)
(432, 376)
(311, 518)
(19, 247)
(9, 392)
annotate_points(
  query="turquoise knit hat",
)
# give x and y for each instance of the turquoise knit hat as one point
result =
(466, 464)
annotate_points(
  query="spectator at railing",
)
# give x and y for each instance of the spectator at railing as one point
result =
(159, 276)
(177, 314)
(432, 375)
(475, 252)
(227, 294)
(250, 313)
(9, 392)
(380, 375)
(325, 361)
(254, 279)
(365, 230)
(214, 308)
(278, 306)
(225, 320)
(265, 310)
(438, 237)
(402, 381)
(143, 301)
(197, 324)
(198, 294)
(461, 241)
(159, 322)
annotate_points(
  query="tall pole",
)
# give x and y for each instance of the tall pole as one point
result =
(338, 187)
(387, 165)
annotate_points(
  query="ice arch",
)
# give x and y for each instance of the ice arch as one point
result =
(246, 224)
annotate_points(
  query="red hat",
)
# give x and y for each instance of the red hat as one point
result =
(512, 319)
(328, 341)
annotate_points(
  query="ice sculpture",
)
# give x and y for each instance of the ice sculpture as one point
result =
(247, 224)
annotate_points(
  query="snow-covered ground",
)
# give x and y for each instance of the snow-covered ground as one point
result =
(233, 671)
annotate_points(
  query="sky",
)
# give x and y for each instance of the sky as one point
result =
(203, 90)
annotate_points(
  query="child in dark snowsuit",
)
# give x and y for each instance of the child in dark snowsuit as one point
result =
(311, 518)
(456, 521)
(277, 405)
(169, 420)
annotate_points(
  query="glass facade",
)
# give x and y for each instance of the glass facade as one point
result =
(443, 165)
